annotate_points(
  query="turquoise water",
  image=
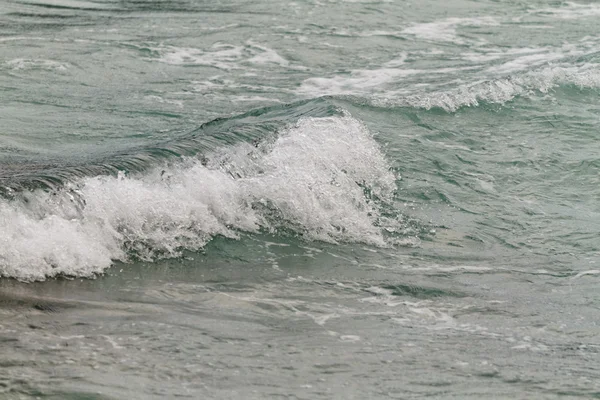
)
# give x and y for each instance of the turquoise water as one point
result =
(308, 199)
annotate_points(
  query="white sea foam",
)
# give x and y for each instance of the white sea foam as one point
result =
(397, 62)
(570, 10)
(76, 4)
(446, 30)
(366, 81)
(266, 56)
(498, 91)
(358, 81)
(584, 273)
(222, 56)
(159, 99)
(309, 180)
(27, 64)
(255, 99)
(528, 59)
(481, 55)
(526, 62)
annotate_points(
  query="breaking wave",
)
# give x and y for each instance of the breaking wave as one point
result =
(322, 178)
(498, 91)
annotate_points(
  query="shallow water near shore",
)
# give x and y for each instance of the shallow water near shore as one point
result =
(323, 199)
(320, 324)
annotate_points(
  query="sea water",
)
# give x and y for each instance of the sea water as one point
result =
(299, 199)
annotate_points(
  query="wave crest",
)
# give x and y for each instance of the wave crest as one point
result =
(498, 91)
(321, 179)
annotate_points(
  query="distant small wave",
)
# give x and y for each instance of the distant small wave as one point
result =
(499, 91)
(495, 91)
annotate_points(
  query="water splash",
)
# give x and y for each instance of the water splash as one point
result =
(320, 179)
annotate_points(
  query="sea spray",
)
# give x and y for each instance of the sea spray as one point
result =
(312, 179)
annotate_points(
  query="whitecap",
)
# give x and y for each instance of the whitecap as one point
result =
(445, 30)
(310, 179)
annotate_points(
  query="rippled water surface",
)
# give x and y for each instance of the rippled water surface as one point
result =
(302, 199)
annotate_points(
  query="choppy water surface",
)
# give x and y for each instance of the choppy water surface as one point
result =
(308, 199)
